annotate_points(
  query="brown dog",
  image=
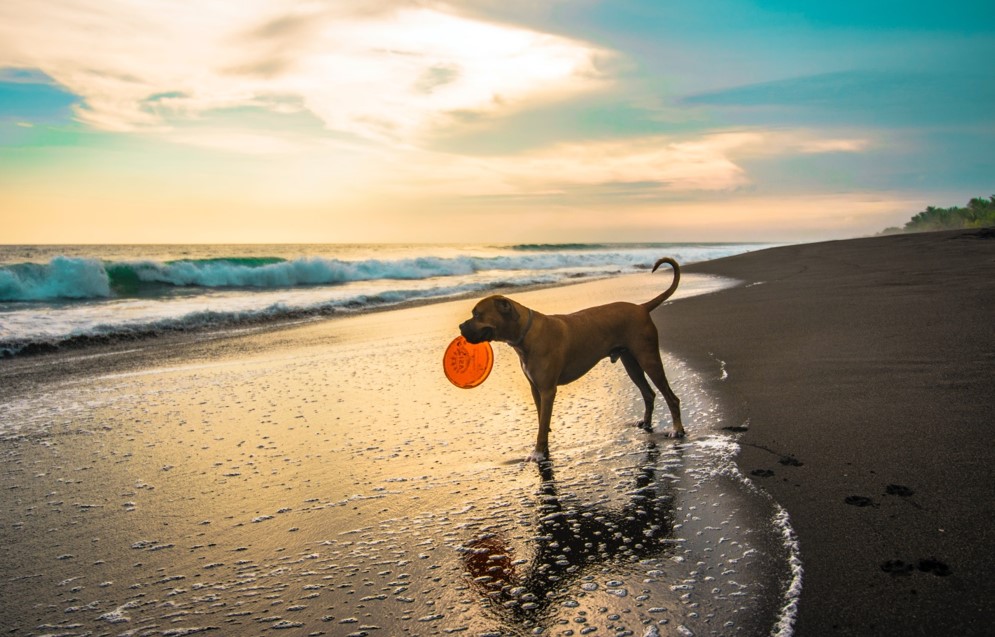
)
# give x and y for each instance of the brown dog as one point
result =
(559, 349)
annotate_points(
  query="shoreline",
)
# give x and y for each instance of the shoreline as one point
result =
(22, 370)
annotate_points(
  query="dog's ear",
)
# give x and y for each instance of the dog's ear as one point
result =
(505, 308)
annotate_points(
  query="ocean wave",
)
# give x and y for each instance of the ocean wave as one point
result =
(72, 330)
(84, 278)
(80, 299)
(60, 278)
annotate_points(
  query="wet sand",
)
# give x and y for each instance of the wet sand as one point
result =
(327, 479)
(863, 373)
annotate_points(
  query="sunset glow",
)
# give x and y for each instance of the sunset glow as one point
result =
(407, 121)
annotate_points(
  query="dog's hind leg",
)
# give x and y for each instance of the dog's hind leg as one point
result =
(653, 366)
(639, 378)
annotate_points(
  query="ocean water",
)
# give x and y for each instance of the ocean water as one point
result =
(58, 296)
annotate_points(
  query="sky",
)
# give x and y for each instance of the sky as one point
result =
(244, 121)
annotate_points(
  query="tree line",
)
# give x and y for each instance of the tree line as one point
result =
(978, 213)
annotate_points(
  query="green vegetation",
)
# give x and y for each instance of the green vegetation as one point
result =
(979, 213)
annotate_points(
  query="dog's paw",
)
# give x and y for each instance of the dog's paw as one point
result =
(537, 457)
(676, 434)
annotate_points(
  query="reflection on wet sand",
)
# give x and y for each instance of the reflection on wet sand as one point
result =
(571, 541)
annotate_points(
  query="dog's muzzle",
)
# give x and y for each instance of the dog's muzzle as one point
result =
(474, 334)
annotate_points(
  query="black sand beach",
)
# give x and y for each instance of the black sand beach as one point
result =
(864, 372)
(326, 478)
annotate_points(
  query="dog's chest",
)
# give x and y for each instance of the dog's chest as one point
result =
(523, 361)
(525, 370)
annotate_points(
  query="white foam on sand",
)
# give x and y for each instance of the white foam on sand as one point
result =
(789, 610)
(723, 450)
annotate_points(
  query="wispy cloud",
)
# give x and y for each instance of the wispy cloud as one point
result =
(646, 166)
(392, 71)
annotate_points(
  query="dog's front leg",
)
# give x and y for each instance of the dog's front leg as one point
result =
(545, 410)
(536, 398)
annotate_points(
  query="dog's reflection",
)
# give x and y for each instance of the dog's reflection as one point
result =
(570, 541)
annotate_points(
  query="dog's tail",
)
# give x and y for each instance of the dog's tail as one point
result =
(652, 305)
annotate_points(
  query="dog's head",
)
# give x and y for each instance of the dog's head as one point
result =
(495, 318)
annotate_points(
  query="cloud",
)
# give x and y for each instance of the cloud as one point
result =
(238, 141)
(648, 167)
(720, 217)
(393, 71)
(710, 162)
(698, 164)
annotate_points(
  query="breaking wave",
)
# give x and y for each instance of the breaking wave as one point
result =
(61, 278)
(85, 278)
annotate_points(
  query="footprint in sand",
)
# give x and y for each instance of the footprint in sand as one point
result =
(934, 566)
(899, 490)
(897, 567)
(858, 501)
(930, 565)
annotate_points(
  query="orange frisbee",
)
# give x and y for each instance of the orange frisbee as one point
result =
(467, 365)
